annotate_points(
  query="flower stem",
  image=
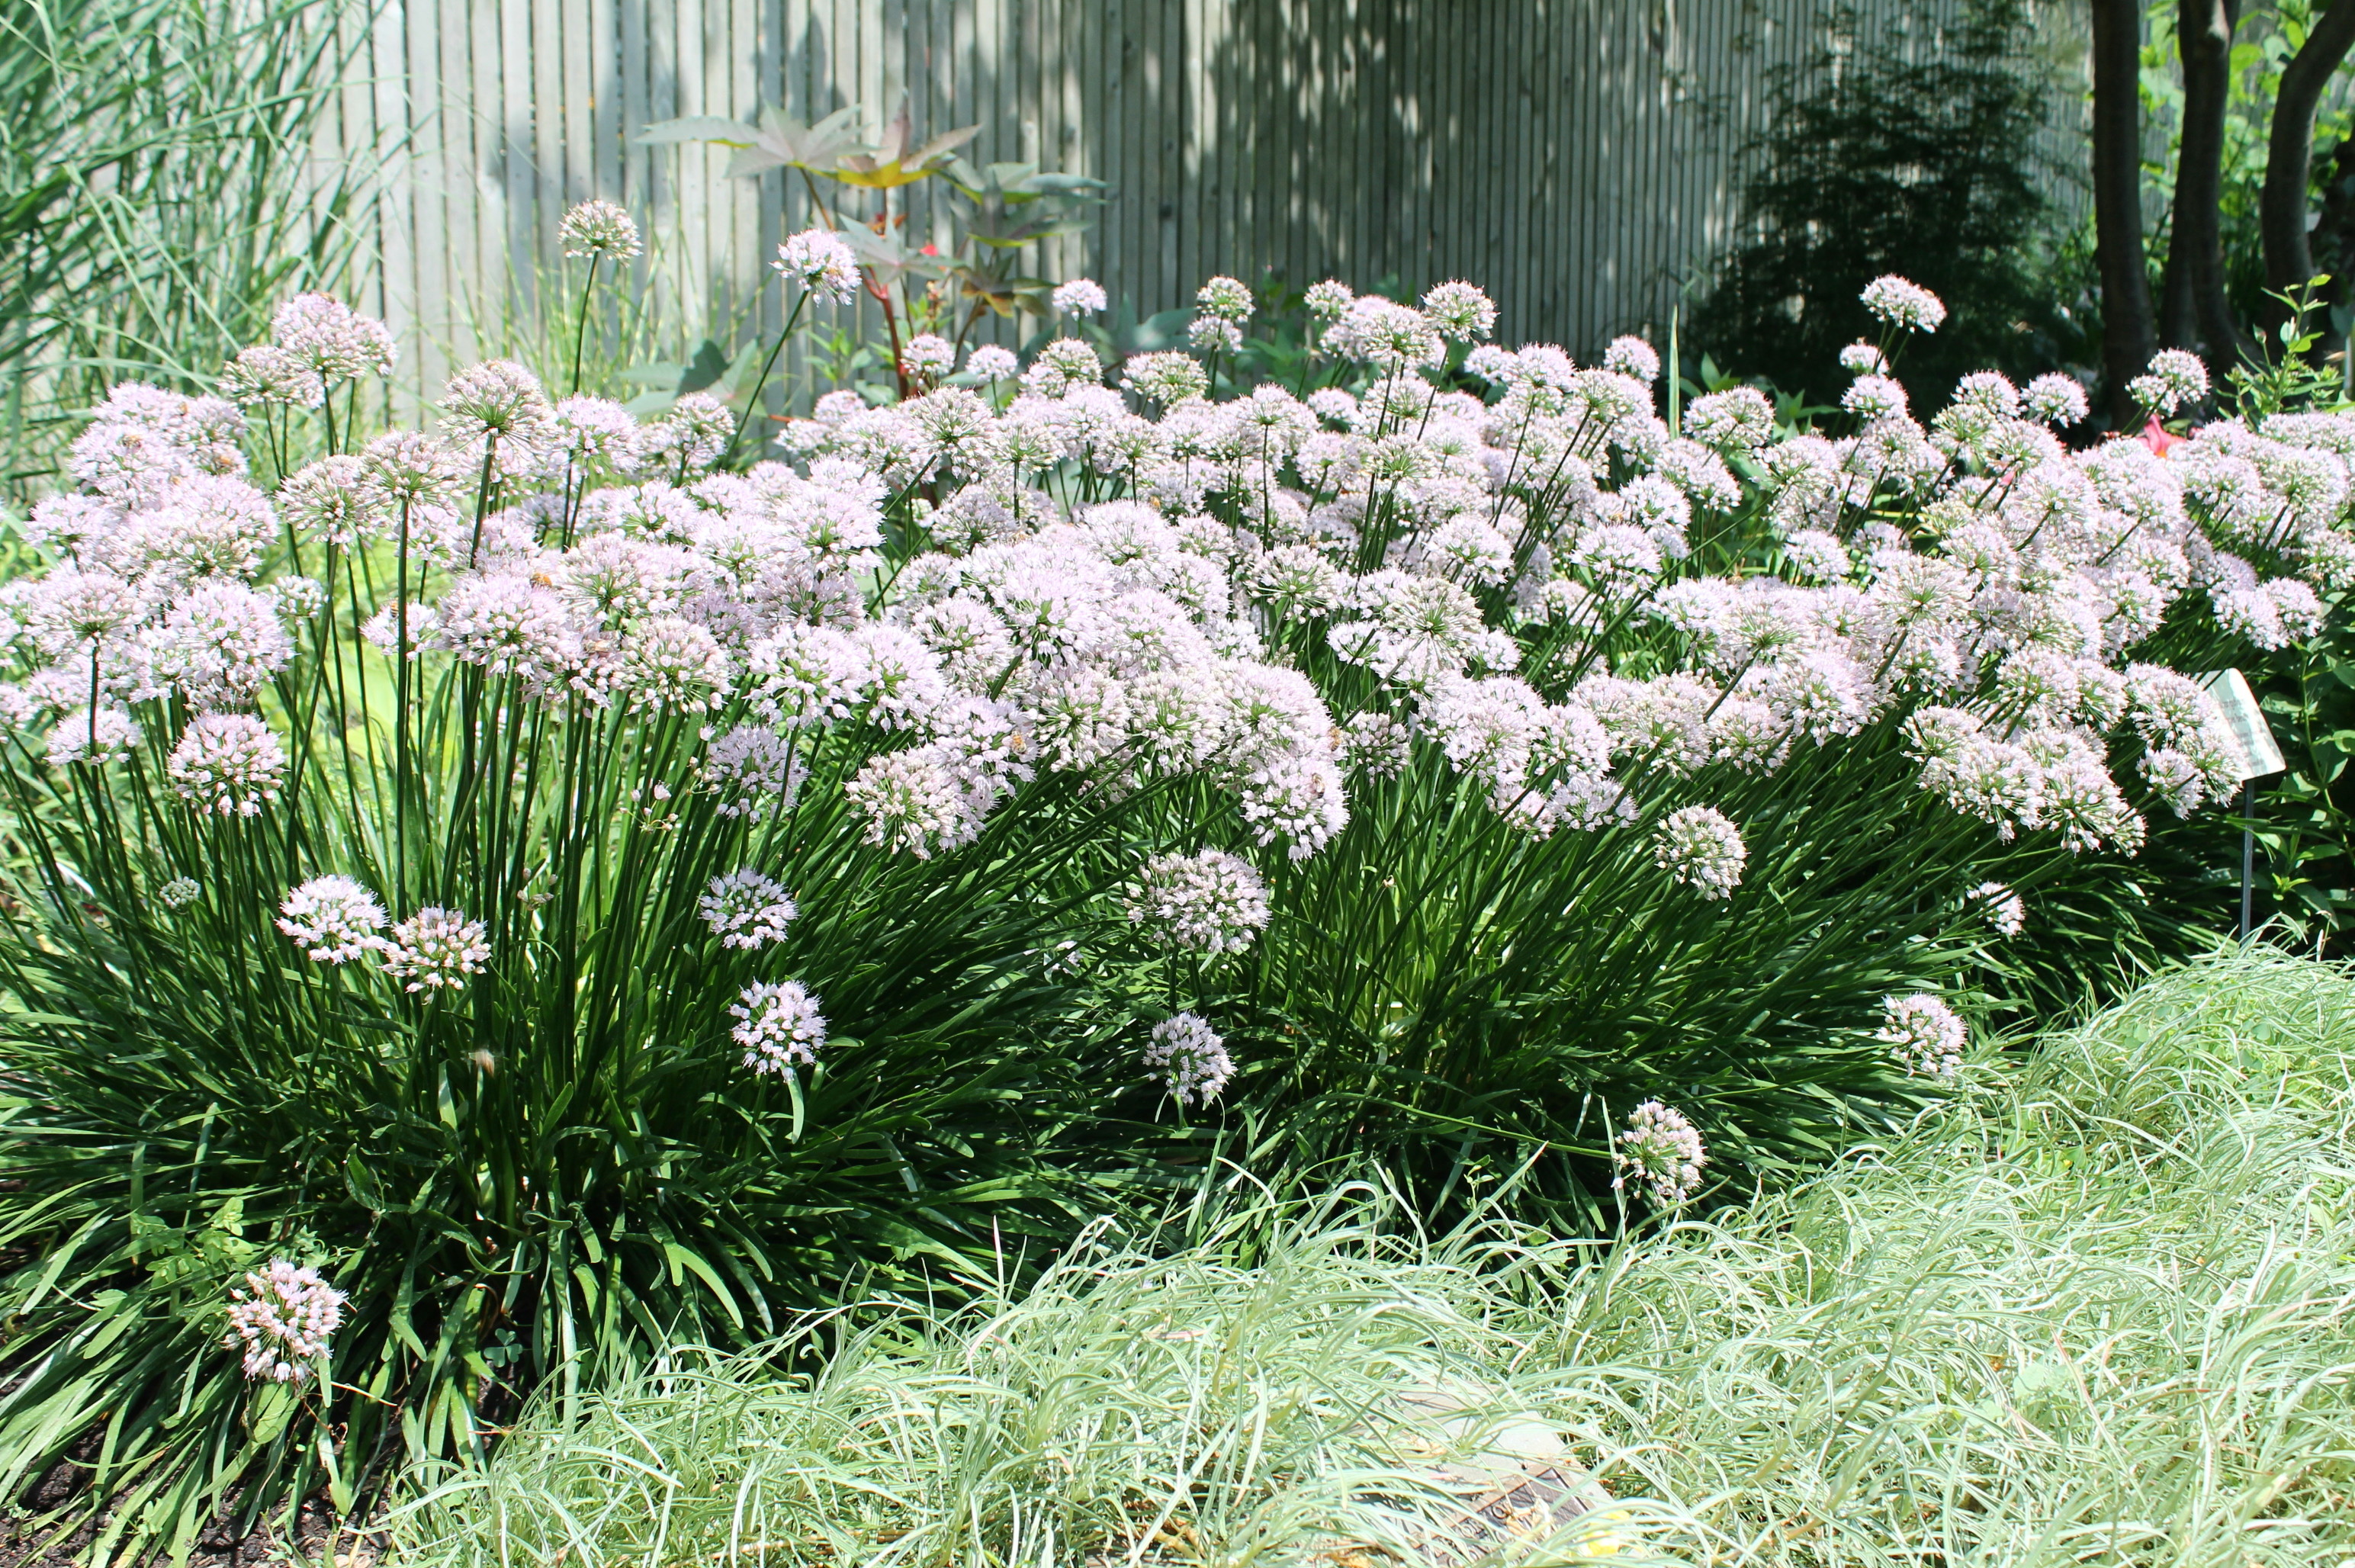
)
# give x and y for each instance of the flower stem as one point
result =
(580, 330)
(761, 383)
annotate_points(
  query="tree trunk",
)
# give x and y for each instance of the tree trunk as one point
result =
(2282, 213)
(2128, 335)
(2194, 312)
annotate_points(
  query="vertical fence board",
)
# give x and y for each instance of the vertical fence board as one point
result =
(1578, 158)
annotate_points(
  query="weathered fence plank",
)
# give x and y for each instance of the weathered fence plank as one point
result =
(1577, 157)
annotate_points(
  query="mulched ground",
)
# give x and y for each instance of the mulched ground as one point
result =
(316, 1534)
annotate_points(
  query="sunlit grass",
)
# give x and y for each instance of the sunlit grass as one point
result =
(2097, 1312)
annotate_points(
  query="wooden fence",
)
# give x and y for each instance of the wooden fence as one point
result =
(1576, 157)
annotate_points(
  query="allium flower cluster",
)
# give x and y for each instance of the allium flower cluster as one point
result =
(227, 763)
(1191, 1058)
(1903, 305)
(1459, 312)
(927, 356)
(599, 231)
(1661, 1149)
(1080, 297)
(436, 949)
(91, 738)
(496, 398)
(991, 363)
(1227, 299)
(1924, 1034)
(1633, 358)
(1701, 848)
(747, 910)
(2003, 908)
(1206, 902)
(328, 340)
(2176, 378)
(333, 918)
(283, 1317)
(819, 261)
(913, 802)
(779, 1028)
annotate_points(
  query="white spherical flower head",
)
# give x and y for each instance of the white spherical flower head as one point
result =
(1165, 379)
(1229, 299)
(411, 469)
(1872, 397)
(1861, 358)
(1924, 1034)
(68, 611)
(1662, 1149)
(226, 763)
(1817, 554)
(1385, 335)
(283, 1317)
(2002, 907)
(779, 1027)
(1488, 362)
(436, 949)
(1701, 848)
(668, 662)
(752, 771)
(1328, 300)
(108, 736)
(1459, 311)
(1901, 304)
(1377, 745)
(334, 919)
(1068, 362)
(1210, 902)
(330, 339)
(1740, 419)
(2177, 377)
(599, 231)
(747, 910)
(1297, 799)
(991, 363)
(262, 375)
(331, 501)
(2054, 399)
(913, 802)
(927, 356)
(1080, 297)
(595, 434)
(692, 435)
(1191, 1058)
(820, 263)
(179, 892)
(1214, 334)
(1633, 356)
(496, 399)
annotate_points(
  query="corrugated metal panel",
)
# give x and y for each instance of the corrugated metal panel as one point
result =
(1575, 157)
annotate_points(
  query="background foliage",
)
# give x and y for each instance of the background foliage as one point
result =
(156, 197)
(1909, 158)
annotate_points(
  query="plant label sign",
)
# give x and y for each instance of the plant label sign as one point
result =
(2252, 738)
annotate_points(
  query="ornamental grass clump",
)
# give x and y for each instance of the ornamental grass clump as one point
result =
(576, 887)
(2098, 1312)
